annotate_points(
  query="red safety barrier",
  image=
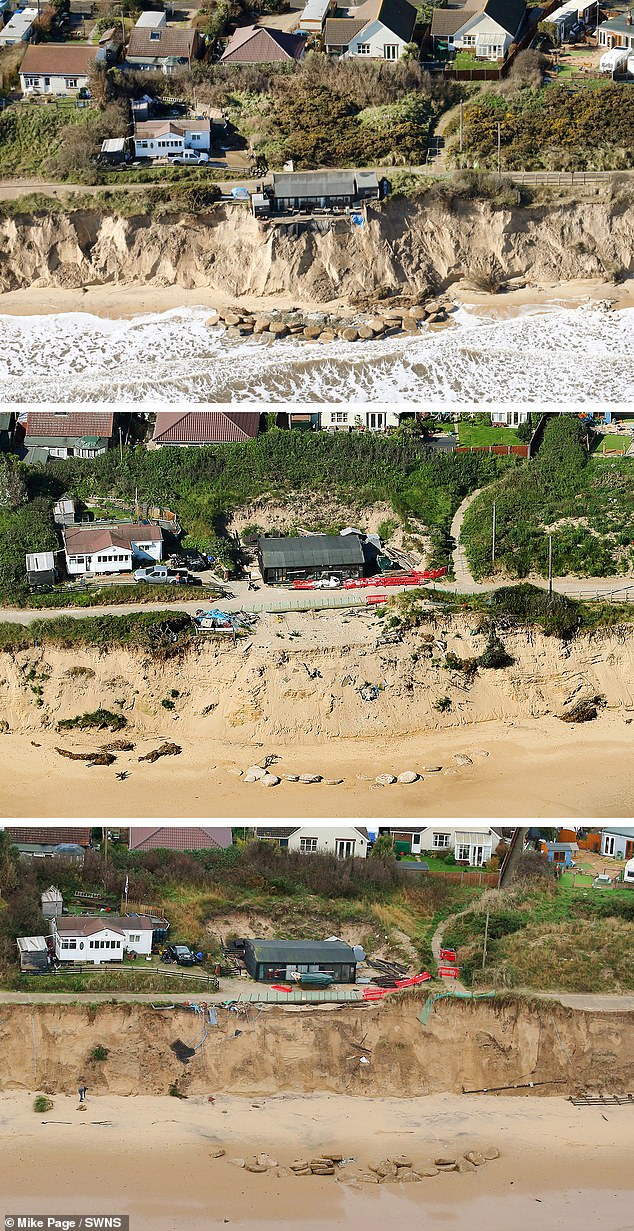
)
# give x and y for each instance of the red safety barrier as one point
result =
(413, 981)
(414, 578)
(374, 600)
(377, 993)
(449, 972)
(448, 955)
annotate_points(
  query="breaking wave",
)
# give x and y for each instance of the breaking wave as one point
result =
(554, 354)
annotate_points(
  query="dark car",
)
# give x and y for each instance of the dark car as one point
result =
(181, 954)
(191, 560)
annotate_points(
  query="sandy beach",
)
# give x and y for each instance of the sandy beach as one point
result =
(536, 768)
(126, 300)
(560, 1167)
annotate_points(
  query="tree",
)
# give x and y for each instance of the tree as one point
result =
(13, 491)
(383, 847)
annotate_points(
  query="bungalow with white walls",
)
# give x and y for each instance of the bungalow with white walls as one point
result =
(111, 548)
(344, 841)
(359, 420)
(100, 939)
(160, 138)
(488, 30)
(509, 418)
(617, 842)
(373, 30)
(472, 844)
(56, 68)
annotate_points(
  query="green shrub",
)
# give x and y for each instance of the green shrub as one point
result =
(42, 1104)
(98, 720)
(98, 1054)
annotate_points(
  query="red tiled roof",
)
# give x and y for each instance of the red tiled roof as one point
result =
(80, 836)
(58, 59)
(68, 423)
(179, 838)
(205, 426)
(261, 45)
(81, 539)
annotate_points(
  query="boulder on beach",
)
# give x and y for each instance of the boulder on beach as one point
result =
(465, 1164)
(376, 324)
(475, 1158)
(231, 318)
(237, 1162)
(461, 758)
(402, 1160)
(278, 329)
(256, 1168)
(291, 777)
(417, 314)
(300, 1164)
(385, 1168)
(309, 778)
(364, 333)
(349, 334)
(426, 1173)
(260, 324)
(269, 780)
(491, 1153)
(217, 1152)
(254, 772)
(444, 1161)
(385, 779)
(312, 332)
(432, 769)
(265, 1160)
(407, 1176)
(407, 777)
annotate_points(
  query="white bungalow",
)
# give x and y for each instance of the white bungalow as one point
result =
(344, 841)
(111, 548)
(99, 939)
(489, 31)
(471, 843)
(617, 842)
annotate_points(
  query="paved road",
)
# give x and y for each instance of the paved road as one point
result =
(230, 989)
(10, 190)
(273, 599)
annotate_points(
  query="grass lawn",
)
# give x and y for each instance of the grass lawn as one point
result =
(471, 434)
(615, 445)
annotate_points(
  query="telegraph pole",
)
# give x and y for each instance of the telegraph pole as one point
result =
(550, 566)
(499, 148)
(460, 128)
(494, 528)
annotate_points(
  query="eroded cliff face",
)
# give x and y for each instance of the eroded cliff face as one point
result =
(470, 1046)
(404, 247)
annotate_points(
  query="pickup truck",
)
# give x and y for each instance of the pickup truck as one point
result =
(160, 574)
(188, 157)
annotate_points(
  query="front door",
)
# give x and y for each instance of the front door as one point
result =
(345, 848)
(609, 845)
(629, 849)
(477, 856)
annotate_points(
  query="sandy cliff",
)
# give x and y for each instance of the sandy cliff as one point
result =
(302, 681)
(404, 246)
(463, 1046)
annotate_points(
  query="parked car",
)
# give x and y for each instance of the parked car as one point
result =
(181, 954)
(188, 158)
(161, 575)
(189, 560)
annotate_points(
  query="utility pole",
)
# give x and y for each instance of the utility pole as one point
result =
(499, 148)
(105, 855)
(486, 941)
(494, 528)
(460, 129)
(550, 566)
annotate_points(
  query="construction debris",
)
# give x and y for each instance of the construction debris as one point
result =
(165, 750)
(93, 758)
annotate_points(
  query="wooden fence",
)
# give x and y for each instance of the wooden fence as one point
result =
(500, 450)
(465, 876)
(82, 968)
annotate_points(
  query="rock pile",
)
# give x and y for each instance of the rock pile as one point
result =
(327, 327)
(399, 1169)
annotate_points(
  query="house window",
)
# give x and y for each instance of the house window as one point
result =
(136, 939)
(339, 416)
(155, 35)
(363, 49)
(376, 420)
(441, 841)
(31, 82)
(462, 853)
(308, 845)
(72, 83)
(390, 51)
(469, 40)
(345, 848)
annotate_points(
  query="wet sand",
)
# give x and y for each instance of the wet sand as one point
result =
(116, 300)
(560, 1167)
(533, 769)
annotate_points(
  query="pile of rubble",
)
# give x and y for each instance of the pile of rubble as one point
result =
(399, 1169)
(325, 327)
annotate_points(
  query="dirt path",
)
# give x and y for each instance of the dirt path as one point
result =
(462, 573)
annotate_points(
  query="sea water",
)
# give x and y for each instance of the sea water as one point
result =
(554, 354)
